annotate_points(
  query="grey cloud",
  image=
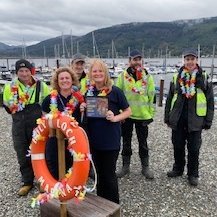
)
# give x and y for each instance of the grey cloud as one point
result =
(42, 19)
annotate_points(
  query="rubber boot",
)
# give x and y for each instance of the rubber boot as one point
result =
(175, 172)
(125, 168)
(145, 169)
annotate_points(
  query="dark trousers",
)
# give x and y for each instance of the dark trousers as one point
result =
(51, 155)
(180, 137)
(22, 126)
(142, 135)
(107, 183)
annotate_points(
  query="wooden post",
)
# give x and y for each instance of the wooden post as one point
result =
(52, 132)
(58, 64)
(61, 165)
(161, 92)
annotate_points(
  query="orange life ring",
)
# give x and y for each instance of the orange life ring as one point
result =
(77, 143)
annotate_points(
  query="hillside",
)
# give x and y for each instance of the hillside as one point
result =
(154, 37)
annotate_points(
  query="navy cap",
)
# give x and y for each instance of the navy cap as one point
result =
(190, 52)
(78, 57)
(134, 54)
(22, 63)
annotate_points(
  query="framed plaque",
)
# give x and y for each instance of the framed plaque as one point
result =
(96, 106)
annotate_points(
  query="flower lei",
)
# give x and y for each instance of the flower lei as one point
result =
(76, 98)
(187, 83)
(138, 90)
(90, 89)
(18, 101)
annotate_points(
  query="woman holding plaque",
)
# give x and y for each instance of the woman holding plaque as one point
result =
(66, 98)
(104, 130)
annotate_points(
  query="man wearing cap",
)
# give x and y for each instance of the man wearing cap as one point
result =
(139, 89)
(189, 109)
(78, 64)
(22, 98)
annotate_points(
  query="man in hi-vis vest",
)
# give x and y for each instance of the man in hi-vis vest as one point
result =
(22, 99)
(139, 89)
(189, 109)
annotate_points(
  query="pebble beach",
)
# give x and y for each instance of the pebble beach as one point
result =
(162, 197)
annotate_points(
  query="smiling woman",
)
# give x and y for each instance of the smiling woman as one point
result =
(103, 104)
(65, 98)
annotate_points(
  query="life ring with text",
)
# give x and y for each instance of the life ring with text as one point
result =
(78, 145)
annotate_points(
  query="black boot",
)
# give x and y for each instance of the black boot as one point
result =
(175, 172)
(145, 169)
(126, 167)
(193, 180)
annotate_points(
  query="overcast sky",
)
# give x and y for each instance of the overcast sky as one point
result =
(37, 20)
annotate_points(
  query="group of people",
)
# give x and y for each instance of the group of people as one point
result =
(189, 109)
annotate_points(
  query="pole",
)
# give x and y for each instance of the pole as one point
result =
(61, 165)
(8, 65)
(58, 64)
(212, 66)
(160, 104)
(94, 48)
(71, 44)
(198, 54)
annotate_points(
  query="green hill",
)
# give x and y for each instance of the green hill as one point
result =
(153, 37)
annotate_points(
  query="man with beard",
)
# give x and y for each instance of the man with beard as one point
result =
(139, 89)
(78, 66)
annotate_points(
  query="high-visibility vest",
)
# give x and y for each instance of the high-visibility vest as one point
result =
(201, 102)
(8, 94)
(142, 105)
(84, 85)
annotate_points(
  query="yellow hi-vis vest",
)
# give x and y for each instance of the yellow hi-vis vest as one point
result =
(142, 105)
(201, 102)
(84, 84)
(8, 95)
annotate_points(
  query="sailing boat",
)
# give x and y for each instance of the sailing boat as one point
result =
(95, 48)
(114, 70)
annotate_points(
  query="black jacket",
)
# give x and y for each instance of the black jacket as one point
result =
(186, 108)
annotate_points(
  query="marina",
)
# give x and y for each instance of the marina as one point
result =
(45, 67)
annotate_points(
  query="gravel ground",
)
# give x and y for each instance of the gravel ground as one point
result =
(162, 197)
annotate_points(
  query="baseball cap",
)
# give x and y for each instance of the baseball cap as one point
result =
(190, 52)
(134, 54)
(78, 57)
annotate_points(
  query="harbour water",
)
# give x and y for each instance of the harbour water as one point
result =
(51, 62)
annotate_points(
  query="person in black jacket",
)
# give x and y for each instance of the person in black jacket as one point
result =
(189, 109)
